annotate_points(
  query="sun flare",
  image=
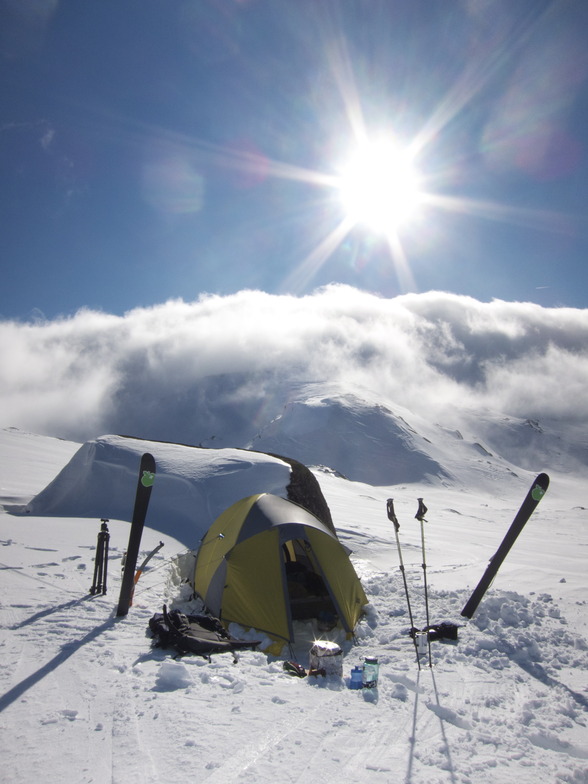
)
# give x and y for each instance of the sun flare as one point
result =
(379, 187)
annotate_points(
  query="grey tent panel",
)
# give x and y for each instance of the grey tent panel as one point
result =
(272, 510)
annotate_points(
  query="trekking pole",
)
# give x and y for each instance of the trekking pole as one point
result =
(420, 516)
(393, 519)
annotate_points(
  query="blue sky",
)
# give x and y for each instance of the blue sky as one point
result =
(157, 149)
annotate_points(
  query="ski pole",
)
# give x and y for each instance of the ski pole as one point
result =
(393, 519)
(420, 516)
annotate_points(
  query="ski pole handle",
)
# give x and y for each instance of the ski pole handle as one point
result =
(391, 514)
(422, 510)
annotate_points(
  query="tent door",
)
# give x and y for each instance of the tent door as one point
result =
(307, 593)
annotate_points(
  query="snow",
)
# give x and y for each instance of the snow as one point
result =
(193, 485)
(84, 696)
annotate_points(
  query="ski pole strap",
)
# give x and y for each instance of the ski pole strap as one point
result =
(391, 514)
(422, 511)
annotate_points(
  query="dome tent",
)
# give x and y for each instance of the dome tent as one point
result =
(266, 561)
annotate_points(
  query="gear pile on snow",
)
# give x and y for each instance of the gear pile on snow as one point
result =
(199, 634)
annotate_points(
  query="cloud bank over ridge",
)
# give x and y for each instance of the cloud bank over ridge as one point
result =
(193, 371)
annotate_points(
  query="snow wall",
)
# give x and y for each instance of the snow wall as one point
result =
(192, 486)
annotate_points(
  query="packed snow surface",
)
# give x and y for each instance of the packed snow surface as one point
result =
(84, 697)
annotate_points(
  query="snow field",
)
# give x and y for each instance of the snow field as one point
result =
(84, 697)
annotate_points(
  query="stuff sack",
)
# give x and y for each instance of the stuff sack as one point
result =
(199, 634)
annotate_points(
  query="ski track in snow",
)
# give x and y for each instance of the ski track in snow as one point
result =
(84, 697)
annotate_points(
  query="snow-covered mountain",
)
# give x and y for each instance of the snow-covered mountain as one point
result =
(369, 440)
(365, 442)
(85, 698)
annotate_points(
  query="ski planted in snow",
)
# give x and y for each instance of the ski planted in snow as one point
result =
(528, 506)
(144, 485)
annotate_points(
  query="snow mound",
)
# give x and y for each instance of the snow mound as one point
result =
(192, 487)
(172, 676)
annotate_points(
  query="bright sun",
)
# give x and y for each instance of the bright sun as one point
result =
(379, 187)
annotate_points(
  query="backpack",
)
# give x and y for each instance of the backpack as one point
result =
(199, 634)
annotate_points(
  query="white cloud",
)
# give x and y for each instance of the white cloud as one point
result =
(223, 366)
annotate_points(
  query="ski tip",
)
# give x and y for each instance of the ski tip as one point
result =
(147, 470)
(540, 487)
(148, 461)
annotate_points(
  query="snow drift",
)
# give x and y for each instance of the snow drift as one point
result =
(193, 485)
